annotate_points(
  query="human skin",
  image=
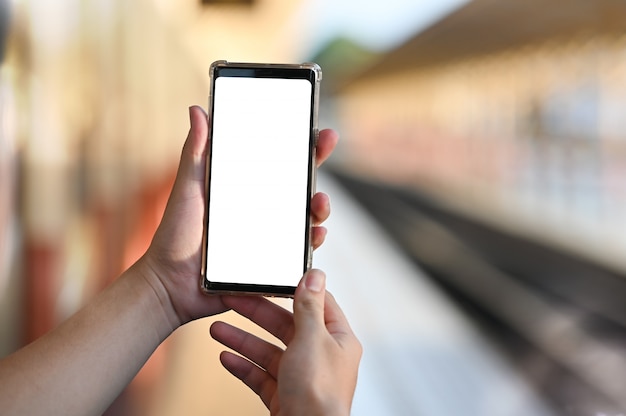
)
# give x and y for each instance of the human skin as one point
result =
(80, 367)
(317, 372)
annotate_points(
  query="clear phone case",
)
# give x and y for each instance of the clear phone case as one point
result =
(272, 70)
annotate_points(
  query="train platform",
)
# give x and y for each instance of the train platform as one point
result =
(422, 356)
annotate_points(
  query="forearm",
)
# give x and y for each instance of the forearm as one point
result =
(80, 367)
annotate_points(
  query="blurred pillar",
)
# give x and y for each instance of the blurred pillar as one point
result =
(45, 203)
(41, 262)
(47, 199)
(10, 285)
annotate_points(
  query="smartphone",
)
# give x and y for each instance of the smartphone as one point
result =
(260, 177)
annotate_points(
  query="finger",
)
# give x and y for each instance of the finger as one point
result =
(334, 318)
(318, 236)
(273, 318)
(189, 181)
(252, 376)
(308, 304)
(187, 197)
(266, 355)
(325, 145)
(198, 132)
(194, 151)
(320, 208)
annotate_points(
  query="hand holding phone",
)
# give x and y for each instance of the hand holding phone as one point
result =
(317, 370)
(260, 177)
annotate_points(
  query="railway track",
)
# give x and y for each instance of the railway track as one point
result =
(559, 318)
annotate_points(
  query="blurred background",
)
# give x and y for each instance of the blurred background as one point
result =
(478, 235)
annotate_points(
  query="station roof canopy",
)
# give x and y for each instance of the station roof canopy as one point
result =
(488, 26)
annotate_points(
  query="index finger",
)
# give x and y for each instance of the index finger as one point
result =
(268, 315)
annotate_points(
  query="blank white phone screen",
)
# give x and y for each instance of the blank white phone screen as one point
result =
(258, 191)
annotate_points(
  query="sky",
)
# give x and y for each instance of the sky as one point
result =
(379, 25)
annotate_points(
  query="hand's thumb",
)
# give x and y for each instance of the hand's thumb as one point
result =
(191, 170)
(192, 160)
(308, 304)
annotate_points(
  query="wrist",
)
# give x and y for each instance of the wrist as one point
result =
(164, 317)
